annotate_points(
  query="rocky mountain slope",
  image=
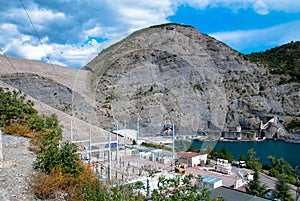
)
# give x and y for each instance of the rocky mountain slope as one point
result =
(173, 74)
(165, 74)
(54, 89)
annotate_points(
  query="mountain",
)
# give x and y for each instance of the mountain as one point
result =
(157, 76)
(172, 74)
(54, 89)
(281, 60)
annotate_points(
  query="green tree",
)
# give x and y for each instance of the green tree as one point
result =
(255, 187)
(54, 155)
(242, 157)
(170, 190)
(192, 148)
(281, 167)
(252, 161)
(282, 190)
(226, 155)
(13, 107)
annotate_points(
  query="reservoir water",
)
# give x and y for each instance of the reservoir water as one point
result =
(289, 151)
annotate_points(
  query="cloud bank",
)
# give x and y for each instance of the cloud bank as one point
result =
(71, 33)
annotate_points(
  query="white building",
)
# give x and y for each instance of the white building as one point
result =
(210, 182)
(223, 166)
(192, 159)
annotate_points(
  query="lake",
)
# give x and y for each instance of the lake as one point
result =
(289, 151)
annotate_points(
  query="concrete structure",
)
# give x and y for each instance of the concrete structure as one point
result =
(129, 134)
(223, 166)
(192, 159)
(210, 182)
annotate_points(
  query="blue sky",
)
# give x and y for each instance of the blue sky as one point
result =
(72, 32)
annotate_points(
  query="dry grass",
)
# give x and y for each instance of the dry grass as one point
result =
(18, 130)
(46, 186)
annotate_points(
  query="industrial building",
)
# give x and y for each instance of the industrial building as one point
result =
(210, 182)
(192, 159)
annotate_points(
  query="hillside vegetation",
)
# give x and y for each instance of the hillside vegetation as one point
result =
(283, 59)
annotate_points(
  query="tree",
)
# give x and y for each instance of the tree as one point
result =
(226, 155)
(13, 107)
(170, 190)
(252, 161)
(282, 190)
(53, 155)
(281, 167)
(255, 187)
(242, 157)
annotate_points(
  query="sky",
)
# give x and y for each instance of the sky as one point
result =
(72, 32)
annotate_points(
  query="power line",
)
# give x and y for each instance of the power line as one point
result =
(9, 61)
(37, 35)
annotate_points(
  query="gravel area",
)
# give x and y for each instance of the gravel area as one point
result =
(17, 167)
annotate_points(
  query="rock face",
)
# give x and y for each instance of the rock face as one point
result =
(51, 93)
(55, 89)
(166, 74)
(174, 74)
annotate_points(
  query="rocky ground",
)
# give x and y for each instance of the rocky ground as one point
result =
(17, 168)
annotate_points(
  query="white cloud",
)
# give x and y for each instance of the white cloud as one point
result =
(65, 26)
(269, 37)
(260, 6)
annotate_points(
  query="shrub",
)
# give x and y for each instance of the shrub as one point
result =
(18, 130)
(54, 155)
(13, 107)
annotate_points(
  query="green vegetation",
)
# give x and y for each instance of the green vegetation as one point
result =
(281, 168)
(223, 153)
(295, 123)
(255, 187)
(157, 146)
(59, 169)
(198, 87)
(18, 117)
(282, 190)
(284, 60)
(13, 108)
(56, 155)
(171, 189)
(252, 161)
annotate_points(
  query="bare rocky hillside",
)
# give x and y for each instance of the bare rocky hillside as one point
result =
(55, 89)
(157, 76)
(174, 74)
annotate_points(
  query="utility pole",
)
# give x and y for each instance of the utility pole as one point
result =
(90, 146)
(173, 157)
(138, 129)
(109, 155)
(117, 142)
(1, 151)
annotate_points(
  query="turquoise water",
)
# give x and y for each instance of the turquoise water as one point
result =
(289, 151)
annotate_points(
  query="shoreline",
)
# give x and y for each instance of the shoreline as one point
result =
(292, 141)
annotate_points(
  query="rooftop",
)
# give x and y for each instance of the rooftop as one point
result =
(188, 154)
(211, 179)
(230, 194)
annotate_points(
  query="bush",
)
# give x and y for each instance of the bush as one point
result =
(54, 155)
(13, 107)
(295, 123)
(18, 130)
